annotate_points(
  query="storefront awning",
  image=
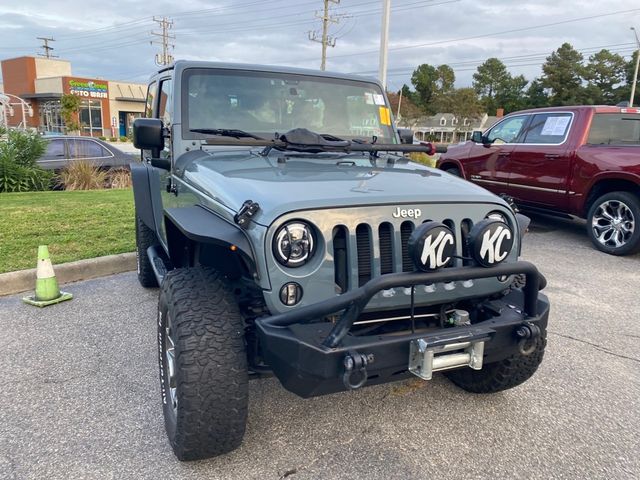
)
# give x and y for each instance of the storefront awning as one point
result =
(130, 99)
(41, 95)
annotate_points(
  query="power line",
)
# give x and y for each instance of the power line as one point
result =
(165, 58)
(485, 35)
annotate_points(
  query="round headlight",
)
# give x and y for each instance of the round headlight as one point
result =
(293, 244)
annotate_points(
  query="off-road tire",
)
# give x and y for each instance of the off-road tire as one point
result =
(145, 238)
(502, 375)
(632, 202)
(211, 377)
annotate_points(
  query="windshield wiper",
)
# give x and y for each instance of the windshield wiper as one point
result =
(226, 132)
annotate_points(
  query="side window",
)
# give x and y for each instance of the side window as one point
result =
(508, 130)
(614, 129)
(151, 95)
(549, 128)
(164, 109)
(55, 149)
(85, 149)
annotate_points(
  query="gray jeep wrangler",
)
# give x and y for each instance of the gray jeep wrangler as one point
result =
(290, 236)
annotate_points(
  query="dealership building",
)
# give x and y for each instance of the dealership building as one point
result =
(35, 85)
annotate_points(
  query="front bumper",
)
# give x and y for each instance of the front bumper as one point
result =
(308, 356)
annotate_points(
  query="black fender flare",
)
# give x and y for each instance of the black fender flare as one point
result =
(142, 194)
(203, 226)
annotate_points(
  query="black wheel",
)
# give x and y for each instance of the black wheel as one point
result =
(502, 375)
(612, 223)
(453, 171)
(203, 364)
(145, 238)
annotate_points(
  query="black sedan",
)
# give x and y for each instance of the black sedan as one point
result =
(63, 150)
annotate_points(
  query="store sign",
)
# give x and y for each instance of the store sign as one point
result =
(88, 89)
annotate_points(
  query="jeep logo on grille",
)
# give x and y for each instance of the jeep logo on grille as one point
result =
(490, 242)
(407, 213)
(431, 246)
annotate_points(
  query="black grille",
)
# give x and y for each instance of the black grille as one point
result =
(365, 259)
(385, 236)
(340, 260)
(405, 232)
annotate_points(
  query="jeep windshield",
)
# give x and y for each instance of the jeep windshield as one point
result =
(265, 103)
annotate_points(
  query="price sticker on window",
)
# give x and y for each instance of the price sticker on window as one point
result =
(385, 116)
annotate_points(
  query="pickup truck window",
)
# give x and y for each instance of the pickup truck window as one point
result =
(614, 129)
(548, 128)
(508, 130)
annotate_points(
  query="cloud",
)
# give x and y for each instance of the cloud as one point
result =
(112, 39)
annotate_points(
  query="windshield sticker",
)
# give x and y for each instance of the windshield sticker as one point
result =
(385, 116)
(555, 126)
(378, 99)
(368, 98)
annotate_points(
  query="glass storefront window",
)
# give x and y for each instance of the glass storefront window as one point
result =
(90, 116)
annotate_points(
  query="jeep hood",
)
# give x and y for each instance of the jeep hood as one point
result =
(282, 183)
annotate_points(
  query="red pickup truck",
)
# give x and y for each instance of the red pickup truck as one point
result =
(582, 161)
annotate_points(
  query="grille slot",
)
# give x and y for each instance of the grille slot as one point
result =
(385, 237)
(340, 260)
(405, 232)
(465, 228)
(365, 259)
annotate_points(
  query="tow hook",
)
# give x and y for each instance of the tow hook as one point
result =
(355, 362)
(527, 333)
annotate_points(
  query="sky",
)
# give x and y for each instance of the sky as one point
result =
(112, 40)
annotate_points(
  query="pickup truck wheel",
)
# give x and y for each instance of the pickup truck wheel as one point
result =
(203, 364)
(145, 238)
(502, 375)
(613, 223)
(453, 171)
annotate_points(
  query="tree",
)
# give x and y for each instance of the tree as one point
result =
(487, 81)
(605, 73)
(510, 93)
(465, 103)
(409, 111)
(69, 108)
(562, 75)
(535, 96)
(432, 85)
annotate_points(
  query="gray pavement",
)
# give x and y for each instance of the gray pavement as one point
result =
(80, 394)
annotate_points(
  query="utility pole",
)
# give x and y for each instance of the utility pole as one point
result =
(325, 39)
(384, 41)
(47, 49)
(399, 103)
(165, 24)
(635, 73)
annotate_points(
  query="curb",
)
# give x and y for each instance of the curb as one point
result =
(24, 280)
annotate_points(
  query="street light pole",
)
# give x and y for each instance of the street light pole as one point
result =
(635, 73)
(384, 41)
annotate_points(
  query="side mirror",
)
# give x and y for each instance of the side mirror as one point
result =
(477, 137)
(147, 135)
(406, 135)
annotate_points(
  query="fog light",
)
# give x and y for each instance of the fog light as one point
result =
(290, 294)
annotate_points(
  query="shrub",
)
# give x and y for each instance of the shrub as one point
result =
(124, 138)
(423, 158)
(119, 178)
(82, 175)
(102, 138)
(18, 169)
(113, 139)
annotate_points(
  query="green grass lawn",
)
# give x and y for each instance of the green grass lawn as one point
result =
(74, 224)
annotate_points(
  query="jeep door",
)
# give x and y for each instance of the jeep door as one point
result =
(159, 106)
(539, 167)
(487, 162)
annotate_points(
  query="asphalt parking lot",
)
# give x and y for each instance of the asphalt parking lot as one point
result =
(80, 395)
